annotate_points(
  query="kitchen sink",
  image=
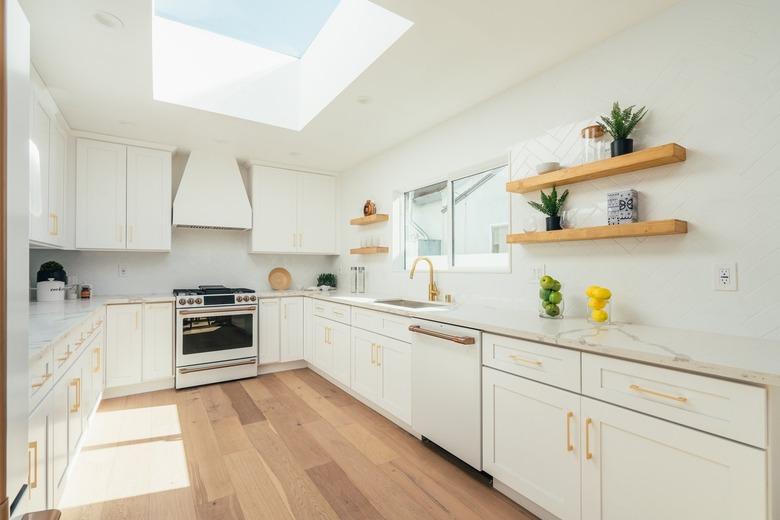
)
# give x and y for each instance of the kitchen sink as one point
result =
(412, 304)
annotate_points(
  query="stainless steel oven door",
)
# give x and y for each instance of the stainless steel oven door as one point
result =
(207, 335)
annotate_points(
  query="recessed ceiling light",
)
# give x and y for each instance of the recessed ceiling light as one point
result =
(363, 100)
(108, 20)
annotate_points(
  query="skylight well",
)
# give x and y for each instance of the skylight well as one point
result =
(272, 62)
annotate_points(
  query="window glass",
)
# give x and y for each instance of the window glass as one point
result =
(481, 219)
(426, 226)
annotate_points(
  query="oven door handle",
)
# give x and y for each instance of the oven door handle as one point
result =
(226, 311)
(187, 370)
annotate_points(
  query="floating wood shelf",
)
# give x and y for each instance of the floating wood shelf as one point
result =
(371, 219)
(638, 229)
(643, 159)
(378, 250)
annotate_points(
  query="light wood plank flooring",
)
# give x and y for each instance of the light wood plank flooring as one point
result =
(283, 446)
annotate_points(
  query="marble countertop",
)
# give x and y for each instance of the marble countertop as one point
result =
(744, 359)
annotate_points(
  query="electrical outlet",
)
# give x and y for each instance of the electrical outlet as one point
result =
(534, 273)
(122, 271)
(725, 277)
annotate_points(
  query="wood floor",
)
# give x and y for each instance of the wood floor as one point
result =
(281, 446)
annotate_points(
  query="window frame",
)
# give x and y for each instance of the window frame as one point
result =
(399, 232)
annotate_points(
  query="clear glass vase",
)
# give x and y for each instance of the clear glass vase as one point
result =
(555, 313)
(599, 312)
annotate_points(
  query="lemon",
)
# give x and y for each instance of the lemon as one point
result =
(602, 293)
(595, 303)
(598, 315)
(590, 291)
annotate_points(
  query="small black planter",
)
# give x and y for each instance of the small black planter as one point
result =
(621, 147)
(553, 223)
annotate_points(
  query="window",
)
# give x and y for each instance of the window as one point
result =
(461, 223)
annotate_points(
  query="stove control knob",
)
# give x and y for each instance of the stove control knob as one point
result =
(182, 301)
(198, 301)
(190, 301)
(242, 298)
(253, 297)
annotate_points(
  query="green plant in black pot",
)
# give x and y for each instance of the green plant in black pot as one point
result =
(619, 124)
(51, 270)
(551, 206)
(328, 279)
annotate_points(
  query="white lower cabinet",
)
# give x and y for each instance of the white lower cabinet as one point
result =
(60, 412)
(382, 372)
(331, 348)
(308, 330)
(75, 381)
(38, 472)
(291, 329)
(643, 468)
(138, 343)
(268, 338)
(531, 440)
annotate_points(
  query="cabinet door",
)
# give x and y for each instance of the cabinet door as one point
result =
(148, 199)
(41, 223)
(274, 210)
(269, 331)
(101, 195)
(292, 329)
(531, 440)
(394, 359)
(365, 371)
(645, 469)
(316, 213)
(57, 169)
(37, 456)
(59, 434)
(323, 352)
(339, 343)
(74, 379)
(158, 341)
(124, 344)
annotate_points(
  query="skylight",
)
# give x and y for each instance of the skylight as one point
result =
(273, 62)
(288, 27)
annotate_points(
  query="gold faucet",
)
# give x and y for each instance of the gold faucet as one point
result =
(433, 291)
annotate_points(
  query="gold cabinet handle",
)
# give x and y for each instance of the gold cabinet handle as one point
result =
(96, 369)
(569, 445)
(45, 378)
(588, 423)
(32, 465)
(656, 393)
(77, 405)
(52, 224)
(130, 233)
(519, 359)
(64, 359)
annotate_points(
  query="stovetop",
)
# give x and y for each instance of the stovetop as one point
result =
(211, 289)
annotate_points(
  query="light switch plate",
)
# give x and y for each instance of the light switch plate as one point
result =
(122, 271)
(725, 277)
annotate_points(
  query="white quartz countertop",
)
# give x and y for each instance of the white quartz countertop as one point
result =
(50, 321)
(744, 359)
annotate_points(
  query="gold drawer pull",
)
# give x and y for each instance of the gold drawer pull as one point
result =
(569, 445)
(519, 359)
(77, 405)
(588, 454)
(96, 369)
(32, 466)
(678, 398)
(43, 381)
(67, 356)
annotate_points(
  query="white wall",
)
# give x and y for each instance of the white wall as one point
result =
(710, 73)
(198, 256)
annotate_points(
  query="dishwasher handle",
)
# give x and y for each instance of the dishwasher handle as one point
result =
(463, 340)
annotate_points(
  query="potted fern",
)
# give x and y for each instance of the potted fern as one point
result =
(619, 124)
(551, 206)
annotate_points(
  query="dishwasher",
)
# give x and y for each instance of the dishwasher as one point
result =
(447, 388)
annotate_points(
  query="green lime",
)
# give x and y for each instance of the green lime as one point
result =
(552, 310)
(556, 286)
(544, 294)
(546, 282)
(555, 297)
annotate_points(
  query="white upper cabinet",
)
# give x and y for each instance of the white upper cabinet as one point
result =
(123, 197)
(41, 222)
(293, 212)
(148, 199)
(58, 165)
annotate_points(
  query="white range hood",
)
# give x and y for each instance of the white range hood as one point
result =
(211, 194)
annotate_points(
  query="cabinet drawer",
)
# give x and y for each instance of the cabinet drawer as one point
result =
(733, 410)
(544, 363)
(332, 311)
(384, 323)
(41, 375)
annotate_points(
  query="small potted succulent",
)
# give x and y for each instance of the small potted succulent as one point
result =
(619, 124)
(326, 279)
(551, 206)
(51, 271)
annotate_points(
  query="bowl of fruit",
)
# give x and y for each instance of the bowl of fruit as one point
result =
(599, 304)
(550, 298)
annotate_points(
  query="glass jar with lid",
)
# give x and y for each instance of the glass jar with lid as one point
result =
(593, 148)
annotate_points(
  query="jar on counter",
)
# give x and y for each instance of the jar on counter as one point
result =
(86, 291)
(593, 144)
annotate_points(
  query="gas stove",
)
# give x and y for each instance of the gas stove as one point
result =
(210, 295)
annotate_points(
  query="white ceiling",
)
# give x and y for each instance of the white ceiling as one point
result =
(458, 53)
